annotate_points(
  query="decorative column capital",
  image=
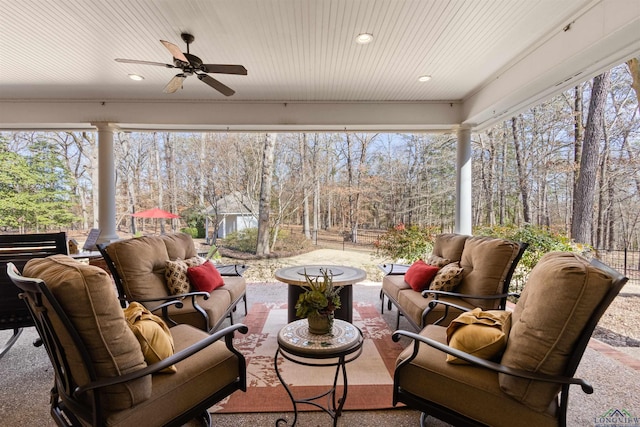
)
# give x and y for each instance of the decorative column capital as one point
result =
(105, 126)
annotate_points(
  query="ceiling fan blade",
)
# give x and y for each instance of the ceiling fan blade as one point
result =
(175, 51)
(223, 89)
(135, 61)
(174, 84)
(224, 69)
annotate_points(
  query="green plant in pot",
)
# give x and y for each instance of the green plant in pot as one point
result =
(319, 302)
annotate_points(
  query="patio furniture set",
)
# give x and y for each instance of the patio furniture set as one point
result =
(469, 361)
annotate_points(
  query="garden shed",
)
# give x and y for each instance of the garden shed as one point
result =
(233, 212)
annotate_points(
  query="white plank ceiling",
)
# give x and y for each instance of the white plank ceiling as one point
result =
(59, 55)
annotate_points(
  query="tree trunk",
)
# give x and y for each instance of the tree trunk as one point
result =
(202, 170)
(488, 175)
(172, 175)
(128, 180)
(316, 190)
(262, 247)
(503, 171)
(581, 226)
(603, 204)
(305, 186)
(578, 128)
(522, 178)
(634, 69)
(350, 185)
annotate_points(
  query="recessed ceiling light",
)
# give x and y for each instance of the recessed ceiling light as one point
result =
(364, 38)
(424, 78)
(136, 77)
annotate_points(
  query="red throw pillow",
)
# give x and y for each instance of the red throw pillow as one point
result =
(205, 277)
(420, 275)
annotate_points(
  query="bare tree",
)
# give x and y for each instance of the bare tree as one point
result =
(522, 174)
(79, 151)
(578, 129)
(581, 226)
(304, 162)
(262, 248)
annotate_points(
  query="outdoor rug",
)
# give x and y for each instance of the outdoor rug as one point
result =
(369, 378)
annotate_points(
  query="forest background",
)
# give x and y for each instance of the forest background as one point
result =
(526, 171)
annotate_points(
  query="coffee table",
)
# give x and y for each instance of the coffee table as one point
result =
(342, 276)
(298, 345)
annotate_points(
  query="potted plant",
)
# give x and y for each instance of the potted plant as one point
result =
(319, 301)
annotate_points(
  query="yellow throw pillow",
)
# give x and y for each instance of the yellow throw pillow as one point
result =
(175, 273)
(481, 333)
(152, 333)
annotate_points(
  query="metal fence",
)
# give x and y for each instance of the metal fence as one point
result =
(625, 261)
(365, 239)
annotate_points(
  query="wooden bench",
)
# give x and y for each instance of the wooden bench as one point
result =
(18, 249)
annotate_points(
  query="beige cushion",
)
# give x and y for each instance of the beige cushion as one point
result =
(560, 295)
(447, 278)
(467, 389)
(215, 307)
(179, 245)
(449, 245)
(175, 274)
(480, 333)
(198, 377)
(235, 285)
(392, 285)
(152, 334)
(87, 295)
(486, 262)
(141, 265)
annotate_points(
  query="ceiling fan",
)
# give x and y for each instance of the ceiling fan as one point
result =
(191, 64)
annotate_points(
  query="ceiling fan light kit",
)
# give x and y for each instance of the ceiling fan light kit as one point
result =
(190, 65)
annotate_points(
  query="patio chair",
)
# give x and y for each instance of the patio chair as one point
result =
(102, 376)
(526, 382)
(18, 249)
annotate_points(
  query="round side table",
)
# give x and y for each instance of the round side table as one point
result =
(298, 345)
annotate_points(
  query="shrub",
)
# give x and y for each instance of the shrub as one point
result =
(291, 242)
(406, 243)
(193, 232)
(243, 241)
(540, 240)
(195, 220)
(246, 241)
(409, 243)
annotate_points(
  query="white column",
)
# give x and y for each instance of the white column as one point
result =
(463, 182)
(106, 183)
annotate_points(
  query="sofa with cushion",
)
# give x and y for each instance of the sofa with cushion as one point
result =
(464, 271)
(155, 269)
(122, 367)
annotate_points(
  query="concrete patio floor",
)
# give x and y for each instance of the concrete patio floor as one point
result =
(26, 377)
